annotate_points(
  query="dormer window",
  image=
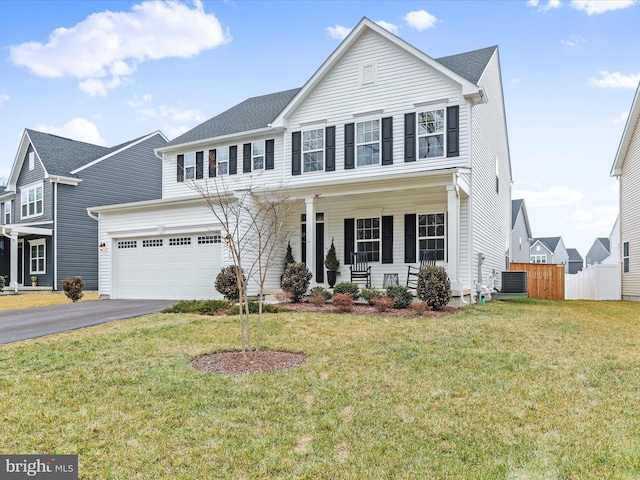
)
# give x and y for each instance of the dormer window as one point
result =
(31, 201)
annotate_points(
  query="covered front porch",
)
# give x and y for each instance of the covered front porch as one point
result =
(26, 258)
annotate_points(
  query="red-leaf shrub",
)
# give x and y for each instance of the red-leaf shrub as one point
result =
(343, 301)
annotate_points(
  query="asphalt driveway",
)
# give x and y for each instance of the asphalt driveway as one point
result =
(16, 325)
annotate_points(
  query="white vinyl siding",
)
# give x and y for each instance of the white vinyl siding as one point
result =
(629, 218)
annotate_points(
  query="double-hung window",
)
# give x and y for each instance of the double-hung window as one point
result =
(31, 201)
(368, 237)
(7, 212)
(368, 142)
(625, 257)
(538, 259)
(190, 166)
(313, 150)
(257, 155)
(222, 160)
(38, 256)
(431, 133)
(431, 234)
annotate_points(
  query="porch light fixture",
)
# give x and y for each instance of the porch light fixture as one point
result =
(103, 247)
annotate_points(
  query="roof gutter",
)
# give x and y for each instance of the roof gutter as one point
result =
(63, 180)
(220, 139)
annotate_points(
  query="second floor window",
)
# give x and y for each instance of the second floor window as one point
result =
(257, 155)
(431, 134)
(313, 150)
(368, 142)
(190, 166)
(7, 212)
(538, 259)
(31, 201)
(223, 160)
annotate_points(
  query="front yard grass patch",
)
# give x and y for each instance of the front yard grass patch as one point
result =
(504, 390)
(9, 301)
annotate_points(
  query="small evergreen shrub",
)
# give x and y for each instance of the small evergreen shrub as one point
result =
(321, 290)
(348, 287)
(343, 301)
(370, 294)
(72, 288)
(227, 283)
(254, 308)
(331, 261)
(382, 303)
(296, 280)
(3, 283)
(288, 258)
(202, 307)
(401, 296)
(434, 286)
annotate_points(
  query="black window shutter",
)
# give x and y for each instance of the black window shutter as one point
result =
(233, 160)
(296, 159)
(387, 141)
(409, 137)
(199, 165)
(330, 149)
(349, 239)
(180, 171)
(246, 158)
(387, 239)
(453, 131)
(213, 166)
(349, 146)
(410, 238)
(268, 149)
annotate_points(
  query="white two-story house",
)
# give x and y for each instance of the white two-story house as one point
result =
(388, 151)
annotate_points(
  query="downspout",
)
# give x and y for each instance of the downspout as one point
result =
(55, 236)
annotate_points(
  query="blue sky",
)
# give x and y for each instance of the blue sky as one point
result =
(109, 71)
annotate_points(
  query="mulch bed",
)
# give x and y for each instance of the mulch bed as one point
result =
(235, 363)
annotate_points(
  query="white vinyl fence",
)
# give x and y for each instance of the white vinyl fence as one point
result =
(597, 282)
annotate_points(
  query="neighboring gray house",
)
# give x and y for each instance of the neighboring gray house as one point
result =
(576, 263)
(520, 232)
(45, 231)
(600, 250)
(549, 250)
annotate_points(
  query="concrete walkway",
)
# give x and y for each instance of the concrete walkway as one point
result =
(16, 325)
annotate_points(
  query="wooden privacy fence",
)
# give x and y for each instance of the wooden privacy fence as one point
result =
(544, 281)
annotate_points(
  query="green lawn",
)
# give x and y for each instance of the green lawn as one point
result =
(518, 390)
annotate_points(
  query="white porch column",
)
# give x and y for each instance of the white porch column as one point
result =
(13, 272)
(311, 237)
(453, 242)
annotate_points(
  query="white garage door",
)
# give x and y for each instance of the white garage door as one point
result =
(168, 267)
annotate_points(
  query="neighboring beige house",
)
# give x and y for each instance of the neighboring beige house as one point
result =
(627, 168)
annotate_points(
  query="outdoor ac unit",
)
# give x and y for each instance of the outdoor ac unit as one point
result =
(514, 282)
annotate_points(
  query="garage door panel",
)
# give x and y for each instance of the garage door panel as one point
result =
(168, 267)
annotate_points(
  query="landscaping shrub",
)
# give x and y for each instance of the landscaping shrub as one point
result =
(202, 307)
(434, 286)
(2, 282)
(369, 294)
(343, 301)
(401, 296)
(283, 297)
(72, 288)
(348, 287)
(318, 299)
(382, 303)
(296, 280)
(254, 308)
(321, 290)
(419, 308)
(227, 283)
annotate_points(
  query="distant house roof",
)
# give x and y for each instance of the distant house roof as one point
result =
(606, 243)
(469, 65)
(515, 210)
(574, 256)
(252, 114)
(550, 242)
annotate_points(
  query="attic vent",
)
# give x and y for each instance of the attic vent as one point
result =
(368, 74)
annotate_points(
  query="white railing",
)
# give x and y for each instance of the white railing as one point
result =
(597, 282)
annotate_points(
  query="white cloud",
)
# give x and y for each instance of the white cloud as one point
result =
(171, 114)
(107, 46)
(597, 219)
(613, 187)
(175, 131)
(388, 26)
(592, 7)
(77, 129)
(622, 118)
(615, 80)
(338, 32)
(138, 101)
(420, 20)
(573, 41)
(3, 98)
(550, 5)
(515, 80)
(552, 197)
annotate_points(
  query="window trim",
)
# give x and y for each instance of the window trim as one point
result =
(262, 155)
(357, 144)
(533, 258)
(37, 243)
(625, 257)
(7, 211)
(315, 150)
(369, 240)
(443, 132)
(432, 237)
(25, 190)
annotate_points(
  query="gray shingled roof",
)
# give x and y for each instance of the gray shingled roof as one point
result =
(550, 242)
(605, 243)
(469, 65)
(515, 210)
(574, 255)
(60, 155)
(253, 113)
